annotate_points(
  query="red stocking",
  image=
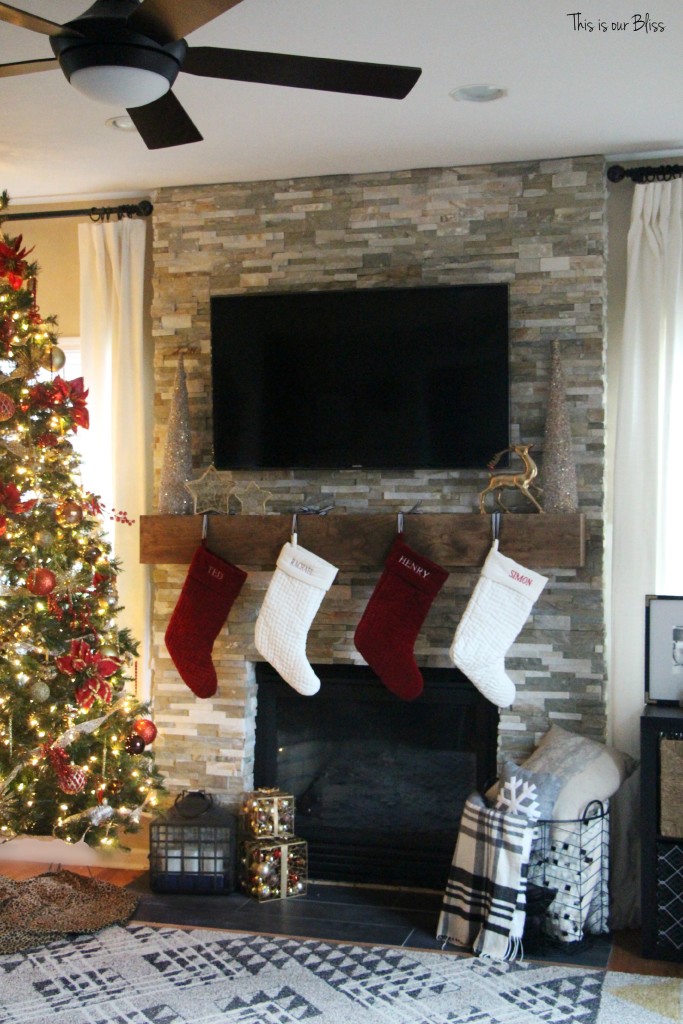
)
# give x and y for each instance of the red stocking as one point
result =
(387, 632)
(205, 601)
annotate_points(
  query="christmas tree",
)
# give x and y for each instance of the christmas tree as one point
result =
(74, 757)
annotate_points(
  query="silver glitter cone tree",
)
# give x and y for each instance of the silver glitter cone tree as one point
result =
(177, 466)
(559, 471)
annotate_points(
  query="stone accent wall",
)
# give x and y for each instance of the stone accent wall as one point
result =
(541, 227)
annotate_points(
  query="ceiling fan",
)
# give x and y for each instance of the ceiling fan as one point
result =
(129, 53)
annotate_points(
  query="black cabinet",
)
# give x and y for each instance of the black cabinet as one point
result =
(661, 745)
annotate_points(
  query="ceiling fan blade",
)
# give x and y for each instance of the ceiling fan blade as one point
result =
(164, 123)
(390, 81)
(168, 20)
(27, 67)
(22, 19)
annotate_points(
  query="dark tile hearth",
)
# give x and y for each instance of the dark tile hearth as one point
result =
(345, 913)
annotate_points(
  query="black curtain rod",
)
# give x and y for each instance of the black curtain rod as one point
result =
(645, 175)
(96, 213)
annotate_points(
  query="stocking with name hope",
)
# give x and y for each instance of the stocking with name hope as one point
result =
(295, 593)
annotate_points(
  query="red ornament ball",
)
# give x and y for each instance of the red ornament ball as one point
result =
(41, 582)
(48, 440)
(69, 513)
(72, 779)
(146, 729)
(7, 407)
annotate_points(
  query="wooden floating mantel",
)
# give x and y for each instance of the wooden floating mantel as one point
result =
(362, 540)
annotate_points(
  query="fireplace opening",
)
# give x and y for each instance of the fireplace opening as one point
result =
(379, 782)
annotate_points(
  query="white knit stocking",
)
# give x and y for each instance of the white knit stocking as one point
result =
(500, 605)
(295, 592)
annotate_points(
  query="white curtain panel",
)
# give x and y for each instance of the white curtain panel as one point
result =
(117, 449)
(648, 481)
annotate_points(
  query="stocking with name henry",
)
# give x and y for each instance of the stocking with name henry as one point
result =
(392, 620)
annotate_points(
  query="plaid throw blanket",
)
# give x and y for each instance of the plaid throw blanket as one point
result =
(485, 899)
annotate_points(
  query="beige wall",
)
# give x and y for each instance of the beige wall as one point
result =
(55, 243)
(55, 249)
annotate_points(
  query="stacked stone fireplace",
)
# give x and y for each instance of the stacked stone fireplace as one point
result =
(540, 227)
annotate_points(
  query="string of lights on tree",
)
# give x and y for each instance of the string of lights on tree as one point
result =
(74, 740)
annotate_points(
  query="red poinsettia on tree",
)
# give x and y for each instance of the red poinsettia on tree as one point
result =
(13, 264)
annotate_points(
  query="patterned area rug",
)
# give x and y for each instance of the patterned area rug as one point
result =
(142, 975)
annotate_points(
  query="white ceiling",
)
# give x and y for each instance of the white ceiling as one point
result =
(570, 92)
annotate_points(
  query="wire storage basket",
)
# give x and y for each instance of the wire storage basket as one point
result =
(568, 880)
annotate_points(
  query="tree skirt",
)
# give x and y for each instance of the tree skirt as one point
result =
(58, 903)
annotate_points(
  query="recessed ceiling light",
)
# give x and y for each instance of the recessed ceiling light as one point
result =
(122, 123)
(478, 93)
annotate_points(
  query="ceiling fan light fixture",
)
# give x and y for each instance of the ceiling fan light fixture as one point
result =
(478, 93)
(119, 85)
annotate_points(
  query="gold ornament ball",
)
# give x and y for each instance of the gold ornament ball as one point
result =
(39, 692)
(43, 538)
(52, 358)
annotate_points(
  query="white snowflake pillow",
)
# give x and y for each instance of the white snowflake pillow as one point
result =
(532, 794)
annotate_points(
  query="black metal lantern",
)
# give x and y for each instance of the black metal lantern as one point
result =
(192, 847)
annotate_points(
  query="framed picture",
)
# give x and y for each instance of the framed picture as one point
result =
(663, 649)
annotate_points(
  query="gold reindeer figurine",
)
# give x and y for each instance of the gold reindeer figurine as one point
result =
(522, 481)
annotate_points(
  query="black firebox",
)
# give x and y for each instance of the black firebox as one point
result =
(379, 782)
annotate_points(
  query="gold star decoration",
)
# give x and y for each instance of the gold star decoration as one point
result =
(211, 491)
(253, 499)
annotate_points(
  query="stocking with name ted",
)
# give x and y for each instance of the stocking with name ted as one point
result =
(392, 620)
(208, 594)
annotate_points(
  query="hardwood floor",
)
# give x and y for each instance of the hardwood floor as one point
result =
(625, 955)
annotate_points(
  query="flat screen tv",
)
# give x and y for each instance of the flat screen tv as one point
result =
(374, 378)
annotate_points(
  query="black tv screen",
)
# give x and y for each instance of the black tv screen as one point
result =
(381, 378)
